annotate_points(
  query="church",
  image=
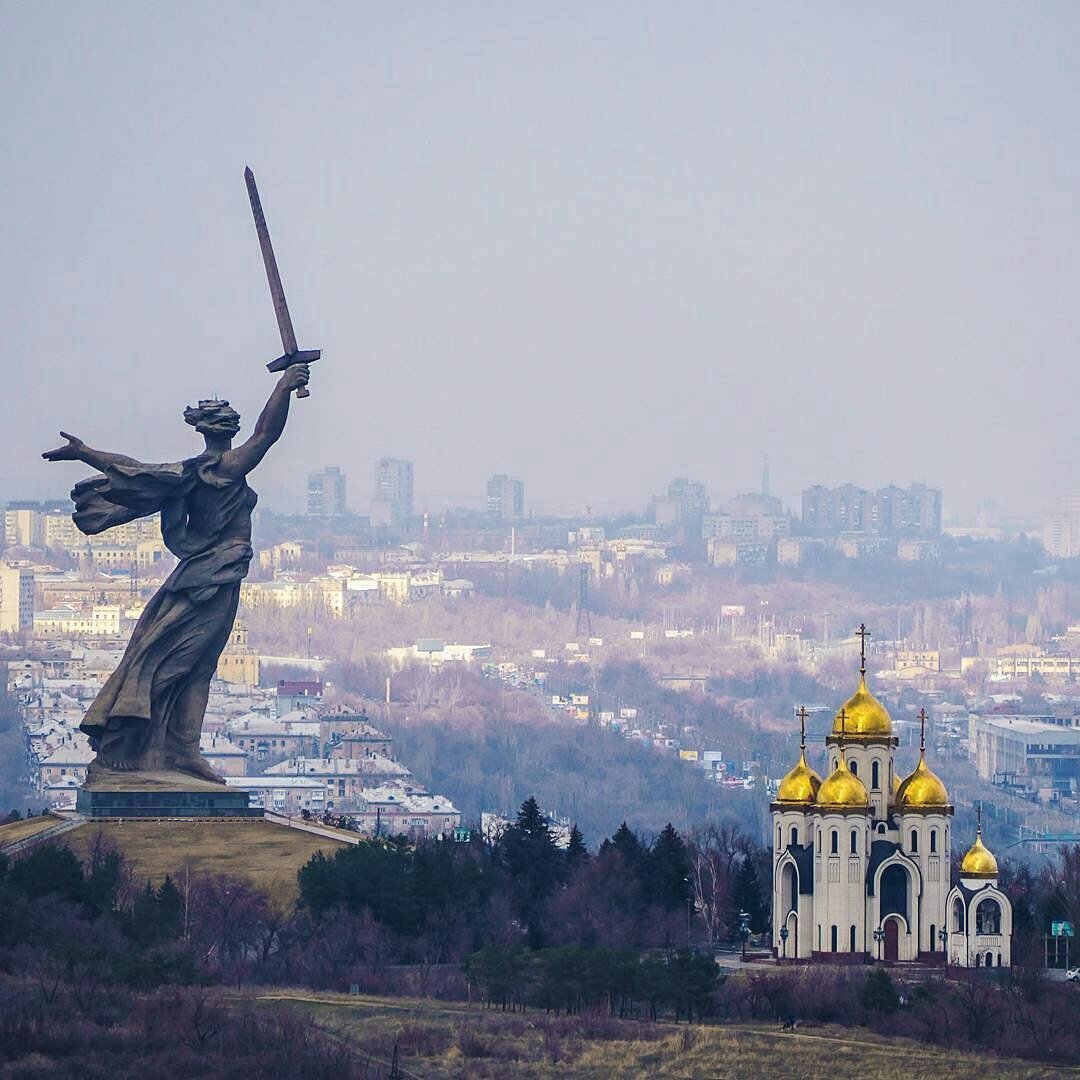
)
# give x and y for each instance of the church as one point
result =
(862, 859)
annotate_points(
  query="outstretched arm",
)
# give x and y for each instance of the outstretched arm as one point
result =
(268, 427)
(77, 450)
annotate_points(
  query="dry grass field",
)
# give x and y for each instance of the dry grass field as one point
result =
(267, 854)
(20, 830)
(447, 1041)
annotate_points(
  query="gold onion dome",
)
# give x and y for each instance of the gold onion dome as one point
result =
(979, 862)
(922, 790)
(800, 786)
(843, 790)
(866, 717)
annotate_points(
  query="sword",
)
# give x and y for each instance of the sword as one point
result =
(292, 355)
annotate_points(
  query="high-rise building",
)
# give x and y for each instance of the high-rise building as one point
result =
(1061, 533)
(326, 492)
(393, 501)
(684, 504)
(505, 497)
(16, 599)
(22, 524)
(890, 511)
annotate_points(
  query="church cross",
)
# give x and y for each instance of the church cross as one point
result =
(802, 714)
(862, 633)
(922, 731)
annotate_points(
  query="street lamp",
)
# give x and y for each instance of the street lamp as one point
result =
(879, 937)
(689, 909)
(783, 939)
(744, 930)
(943, 934)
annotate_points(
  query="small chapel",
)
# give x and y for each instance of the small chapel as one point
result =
(862, 859)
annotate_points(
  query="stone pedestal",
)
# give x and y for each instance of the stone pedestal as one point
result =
(160, 795)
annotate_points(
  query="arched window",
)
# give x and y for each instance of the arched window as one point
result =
(779, 839)
(819, 841)
(789, 890)
(851, 946)
(834, 842)
(989, 959)
(933, 841)
(854, 841)
(874, 776)
(988, 917)
(794, 834)
(914, 841)
(933, 937)
(881, 828)
(854, 768)
(833, 937)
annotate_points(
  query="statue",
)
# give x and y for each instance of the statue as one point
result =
(148, 716)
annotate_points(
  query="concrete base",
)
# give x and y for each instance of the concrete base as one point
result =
(161, 795)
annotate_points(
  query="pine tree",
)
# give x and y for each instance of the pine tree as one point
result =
(170, 909)
(144, 916)
(746, 894)
(576, 852)
(669, 870)
(528, 851)
(625, 841)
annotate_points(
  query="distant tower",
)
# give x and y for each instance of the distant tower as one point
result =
(765, 476)
(583, 619)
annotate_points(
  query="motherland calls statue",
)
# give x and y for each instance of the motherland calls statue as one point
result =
(149, 714)
(148, 717)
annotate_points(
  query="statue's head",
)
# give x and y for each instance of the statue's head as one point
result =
(213, 418)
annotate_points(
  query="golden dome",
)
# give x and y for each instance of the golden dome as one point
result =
(843, 790)
(800, 785)
(979, 861)
(864, 716)
(922, 790)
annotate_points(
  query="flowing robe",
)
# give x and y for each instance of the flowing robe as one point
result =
(163, 680)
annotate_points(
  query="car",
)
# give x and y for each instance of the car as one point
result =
(1073, 975)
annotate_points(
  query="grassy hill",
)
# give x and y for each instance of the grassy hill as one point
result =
(266, 853)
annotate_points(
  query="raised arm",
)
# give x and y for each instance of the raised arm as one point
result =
(268, 427)
(77, 450)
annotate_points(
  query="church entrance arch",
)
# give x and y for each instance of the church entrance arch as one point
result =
(892, 939)
(894, 891)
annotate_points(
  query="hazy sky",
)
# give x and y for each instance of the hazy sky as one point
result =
(592, 245)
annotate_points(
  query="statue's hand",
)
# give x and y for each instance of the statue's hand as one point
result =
(294, 377)
(73, 451)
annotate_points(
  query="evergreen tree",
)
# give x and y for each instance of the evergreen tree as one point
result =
(528, 851)
(170, 909)
(878, 993)
(669, 870)
(746, 894)
(576, 852)
(625, 841)
(48, 870)
(143, 920)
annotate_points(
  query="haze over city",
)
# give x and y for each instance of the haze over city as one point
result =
(594, 249)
